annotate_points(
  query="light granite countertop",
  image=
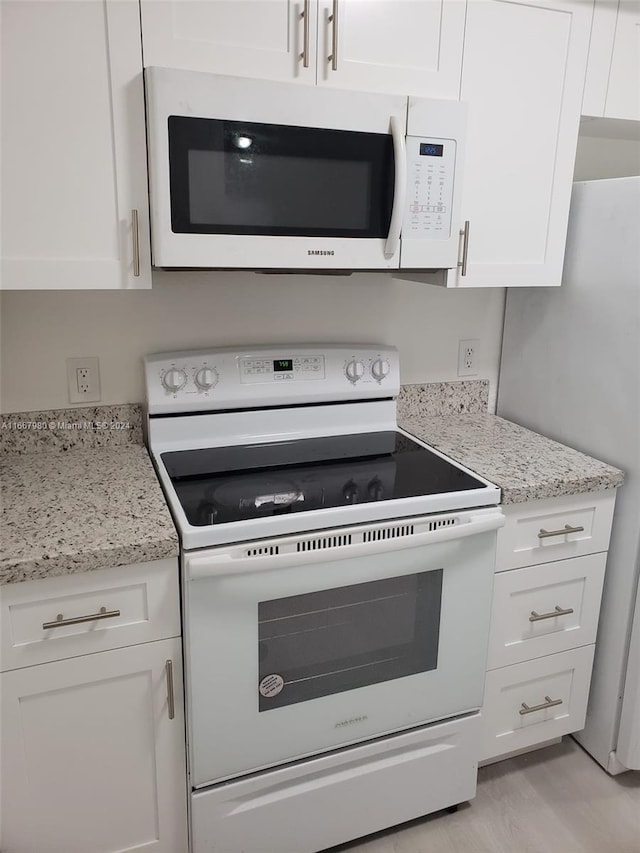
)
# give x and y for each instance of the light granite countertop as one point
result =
(87, 508)
(525, 465)
(88, 497)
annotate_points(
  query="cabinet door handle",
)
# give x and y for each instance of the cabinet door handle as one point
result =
(548, 703)
(558, 611)
(135, 236)
(60, 621)
(304, 56)
(333, 19)
(464, 233)
(171, 705)
(546, 534)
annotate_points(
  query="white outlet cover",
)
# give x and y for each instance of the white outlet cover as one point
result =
(465, 369)
(92, 365)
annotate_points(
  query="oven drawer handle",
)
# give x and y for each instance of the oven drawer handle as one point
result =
(224, 564)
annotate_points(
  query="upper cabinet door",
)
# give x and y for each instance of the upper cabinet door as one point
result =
(400, 46)
(268, 39)
(612, 88)
(74, 174)
(623, 92)
(522, 77)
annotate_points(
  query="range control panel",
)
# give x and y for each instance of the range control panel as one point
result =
(282, 369)
(430, 175)
(206, 380)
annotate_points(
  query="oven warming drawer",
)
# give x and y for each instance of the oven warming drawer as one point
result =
(312, 805)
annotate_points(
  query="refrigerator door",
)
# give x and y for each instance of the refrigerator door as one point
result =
(571, 369)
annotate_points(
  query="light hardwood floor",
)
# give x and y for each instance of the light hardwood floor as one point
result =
(554, 800)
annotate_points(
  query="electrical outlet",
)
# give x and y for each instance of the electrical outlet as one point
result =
(467, 357)
(83, 379)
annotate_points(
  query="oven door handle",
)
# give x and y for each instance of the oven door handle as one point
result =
(400, 188)
(226, 564)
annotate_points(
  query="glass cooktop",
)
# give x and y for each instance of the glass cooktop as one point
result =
(224, 484)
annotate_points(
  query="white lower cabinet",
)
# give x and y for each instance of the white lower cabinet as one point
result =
(530, 703)
(93, 755)
(544, 620)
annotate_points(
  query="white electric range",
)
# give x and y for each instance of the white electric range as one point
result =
(337, 577)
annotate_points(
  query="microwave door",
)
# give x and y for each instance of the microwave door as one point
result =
(310, 188)
(300, 180)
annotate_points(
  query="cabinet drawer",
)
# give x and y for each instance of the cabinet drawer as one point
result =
(555, 690)
(523, 624)
(129, 605)
(554, 529)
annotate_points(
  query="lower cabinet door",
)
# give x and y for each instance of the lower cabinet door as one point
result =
(535, 701)
(92, 761)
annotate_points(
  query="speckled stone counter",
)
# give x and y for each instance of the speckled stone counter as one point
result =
(525, 465)
(87, 508)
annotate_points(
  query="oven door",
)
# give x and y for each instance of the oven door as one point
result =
(303, 644)
(256, 174)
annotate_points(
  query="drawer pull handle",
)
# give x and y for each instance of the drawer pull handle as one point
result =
(60, 621)
(545, 534)
(171, 705)
(558, 611)
(549, 703)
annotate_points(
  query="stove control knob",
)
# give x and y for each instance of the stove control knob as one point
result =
(350, 492)
(380, 368)
(354, 370)
(206, 378)
(174, 379)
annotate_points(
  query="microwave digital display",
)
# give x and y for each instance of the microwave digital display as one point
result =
(430, 149)
(283, 364)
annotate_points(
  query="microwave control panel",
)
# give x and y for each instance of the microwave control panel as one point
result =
(430, 174)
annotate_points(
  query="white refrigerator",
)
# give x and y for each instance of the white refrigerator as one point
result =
(571, 370)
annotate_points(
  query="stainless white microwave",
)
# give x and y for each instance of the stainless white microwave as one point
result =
(253, 174)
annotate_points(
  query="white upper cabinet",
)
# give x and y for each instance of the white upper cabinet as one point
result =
(243, 38)
(522, 78)
(74, 180)
(612, 88)
(397, 46)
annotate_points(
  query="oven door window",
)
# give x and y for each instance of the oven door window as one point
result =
(231, 177)
(341, 639)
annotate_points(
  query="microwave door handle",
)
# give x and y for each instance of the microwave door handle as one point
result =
(400, 188)
(216, 565)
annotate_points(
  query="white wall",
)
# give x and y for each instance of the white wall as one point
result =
(605, 157)
(41, 329)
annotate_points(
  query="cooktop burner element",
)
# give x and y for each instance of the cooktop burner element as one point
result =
(222, 484)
